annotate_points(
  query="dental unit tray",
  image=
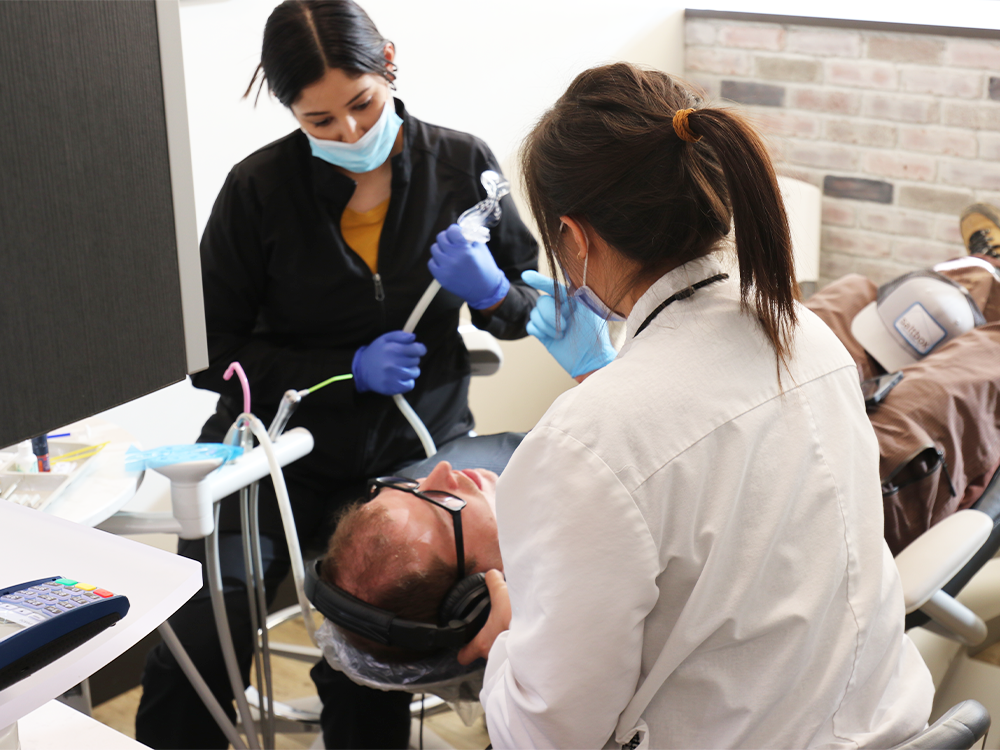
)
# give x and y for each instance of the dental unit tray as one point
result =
(40, 490)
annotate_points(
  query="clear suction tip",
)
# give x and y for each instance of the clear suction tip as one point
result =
(475, 222)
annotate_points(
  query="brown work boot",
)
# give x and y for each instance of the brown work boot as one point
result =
(980, 227)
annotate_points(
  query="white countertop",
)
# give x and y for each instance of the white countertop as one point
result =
(38, 545)
(55, 726)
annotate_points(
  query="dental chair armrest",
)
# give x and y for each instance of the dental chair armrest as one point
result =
(938, 554)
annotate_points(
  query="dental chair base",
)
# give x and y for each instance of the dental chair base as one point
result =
(957, 675)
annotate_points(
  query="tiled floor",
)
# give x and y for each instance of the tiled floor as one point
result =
(291, 681)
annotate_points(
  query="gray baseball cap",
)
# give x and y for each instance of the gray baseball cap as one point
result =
(912, 316)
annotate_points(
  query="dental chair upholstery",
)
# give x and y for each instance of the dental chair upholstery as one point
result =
(490, 452)
(961, 728)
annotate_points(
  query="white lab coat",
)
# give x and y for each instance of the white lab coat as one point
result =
(678, 505)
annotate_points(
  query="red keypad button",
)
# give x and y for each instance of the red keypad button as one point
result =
(103, 593)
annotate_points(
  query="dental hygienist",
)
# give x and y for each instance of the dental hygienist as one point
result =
(317, 249)
(692, 537)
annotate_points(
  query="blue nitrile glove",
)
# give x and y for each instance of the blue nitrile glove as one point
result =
(581, 344)
(467, 269)
(388, 365)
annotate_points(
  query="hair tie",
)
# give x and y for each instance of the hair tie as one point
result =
(681, 127)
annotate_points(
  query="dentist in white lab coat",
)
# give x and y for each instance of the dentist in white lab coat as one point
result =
(692, 537)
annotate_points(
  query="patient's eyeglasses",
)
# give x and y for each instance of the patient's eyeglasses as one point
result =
(450, 503)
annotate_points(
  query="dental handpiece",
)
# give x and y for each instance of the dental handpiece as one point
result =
(289, 403)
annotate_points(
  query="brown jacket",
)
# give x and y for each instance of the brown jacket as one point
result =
(939, 428)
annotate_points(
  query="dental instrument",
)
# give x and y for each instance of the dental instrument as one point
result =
(474, 223)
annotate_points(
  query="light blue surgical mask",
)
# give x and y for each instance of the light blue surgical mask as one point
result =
(589, 299)
(368, 152)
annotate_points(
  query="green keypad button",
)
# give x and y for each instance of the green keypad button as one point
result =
(65, 581)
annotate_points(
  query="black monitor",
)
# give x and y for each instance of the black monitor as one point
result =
(101, 297)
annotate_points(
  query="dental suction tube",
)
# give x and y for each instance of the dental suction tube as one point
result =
(474, 224)
(401, 403)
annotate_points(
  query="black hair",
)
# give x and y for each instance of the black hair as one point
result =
(304, 38)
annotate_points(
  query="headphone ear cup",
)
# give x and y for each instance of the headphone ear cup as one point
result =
(463, 598)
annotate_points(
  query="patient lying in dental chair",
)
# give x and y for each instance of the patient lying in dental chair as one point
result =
(397, 551)
(398, 603)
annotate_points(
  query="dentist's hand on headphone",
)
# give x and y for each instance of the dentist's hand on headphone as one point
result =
(580, 343)
(499, 620)
(389, 365)
(467, 269)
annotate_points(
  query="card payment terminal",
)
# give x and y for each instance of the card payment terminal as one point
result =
(45, 619)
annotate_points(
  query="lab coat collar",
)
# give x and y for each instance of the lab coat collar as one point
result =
(670, 283)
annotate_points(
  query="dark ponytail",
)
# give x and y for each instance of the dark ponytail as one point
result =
(304, 38)
(763, 239)
(609, 153)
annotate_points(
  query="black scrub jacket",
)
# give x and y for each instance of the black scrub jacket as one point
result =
(288, 299)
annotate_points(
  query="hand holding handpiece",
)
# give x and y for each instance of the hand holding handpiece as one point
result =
(467, 269)
(580, 342)
(389, 365)
(499, 620)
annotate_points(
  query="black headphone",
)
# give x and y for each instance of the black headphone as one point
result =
(464, 611)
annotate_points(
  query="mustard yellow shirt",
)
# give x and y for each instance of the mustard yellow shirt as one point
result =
(361, 231)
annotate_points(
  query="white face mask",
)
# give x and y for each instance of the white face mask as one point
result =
(589, 299)
(368, 152)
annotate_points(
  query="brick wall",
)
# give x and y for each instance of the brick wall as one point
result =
(900, 130)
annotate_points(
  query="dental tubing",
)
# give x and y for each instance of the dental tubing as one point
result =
(213, 570)
(401, 403)
(335, 379)
(287, 519)
(244, 383)
(421, 307)
(256, 602)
